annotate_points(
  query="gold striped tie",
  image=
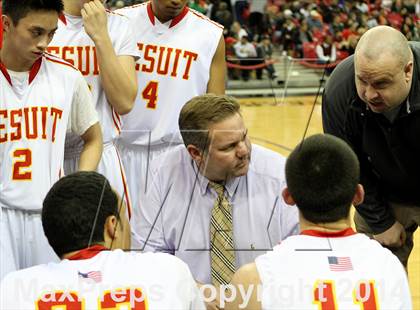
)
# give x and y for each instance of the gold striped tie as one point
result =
(221, 238)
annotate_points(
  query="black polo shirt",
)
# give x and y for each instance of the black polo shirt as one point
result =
(389, 152)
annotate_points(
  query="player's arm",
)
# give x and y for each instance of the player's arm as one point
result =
(216, 83)
(118, 75)
(248, 279)
(84, 122)
(92, 148)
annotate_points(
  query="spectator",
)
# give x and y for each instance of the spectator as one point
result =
(326, 51)
(224, 17)
(265, 51)
(237, 31)
(245, 50)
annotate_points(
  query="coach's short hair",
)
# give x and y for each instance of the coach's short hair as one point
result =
(70, 208)
(18, 9)
(322, 174)
(202, 111)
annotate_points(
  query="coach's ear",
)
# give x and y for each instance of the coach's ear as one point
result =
(287, 197)
(195, 153)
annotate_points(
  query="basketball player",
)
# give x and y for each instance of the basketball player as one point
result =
(183, 56)
(86, 224)
(327, 266)
(41, 98)
(101, 45)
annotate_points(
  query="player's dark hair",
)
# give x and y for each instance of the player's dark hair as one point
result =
(322, 174)
(200, 112)
(18, 9)
(70, 208)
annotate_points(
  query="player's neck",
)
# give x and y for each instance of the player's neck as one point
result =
(325, 227)
(11, 61)
(72, 7)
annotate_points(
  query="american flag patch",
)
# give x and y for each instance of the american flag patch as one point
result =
(94, 275)
(340, 263)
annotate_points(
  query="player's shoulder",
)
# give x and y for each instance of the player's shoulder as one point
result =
(26, 275)
(117, 17)
(174, 157)
(203, 19)
(132, 10)
(59, 64)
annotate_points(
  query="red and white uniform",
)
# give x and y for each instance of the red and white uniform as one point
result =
(74, 45)
(109, 279)
(175, 66)
(341, 270)
(36, 110)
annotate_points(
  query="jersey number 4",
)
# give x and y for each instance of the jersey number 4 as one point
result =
(22, 161)
(149, 94)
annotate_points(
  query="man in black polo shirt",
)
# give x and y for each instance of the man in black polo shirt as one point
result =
(372, 101)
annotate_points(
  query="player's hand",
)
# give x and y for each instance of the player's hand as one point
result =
(95, 20)
(393, 236)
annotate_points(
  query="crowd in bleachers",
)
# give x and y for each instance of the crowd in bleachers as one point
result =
(326, 30)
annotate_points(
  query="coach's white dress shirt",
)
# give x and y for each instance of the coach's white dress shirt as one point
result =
(174, 215)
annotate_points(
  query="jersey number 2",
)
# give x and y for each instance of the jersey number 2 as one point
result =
(21, 164)
(149, 94)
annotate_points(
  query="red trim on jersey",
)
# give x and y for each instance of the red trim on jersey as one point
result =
(88, 252)
(150, 13)
(59, 61)
(116, 120)
(34, 70)
(317, 233)
(5, 73)
(63, 19)
(32, 73)
(127, 198)
(178, 18)
(174, 21)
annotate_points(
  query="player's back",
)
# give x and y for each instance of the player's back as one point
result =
(321, 271)
(110, 279)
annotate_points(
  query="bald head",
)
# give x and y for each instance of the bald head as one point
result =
(384, 40)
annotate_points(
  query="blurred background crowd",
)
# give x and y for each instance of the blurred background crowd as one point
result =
(325, 30)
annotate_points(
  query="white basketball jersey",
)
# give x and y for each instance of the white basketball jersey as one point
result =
(72, 43)
(174, 67)
(109, 280)
(332, 271)
(33, 123)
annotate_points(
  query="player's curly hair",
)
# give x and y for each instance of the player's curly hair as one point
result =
(70, 208)
(18, 9)
(322, 174)
(202, 111)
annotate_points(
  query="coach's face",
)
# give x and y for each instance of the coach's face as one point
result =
(30, 37)
(229, 152)
(384, 83)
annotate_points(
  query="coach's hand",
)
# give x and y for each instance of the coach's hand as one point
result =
(95, 20)
(393, 236)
